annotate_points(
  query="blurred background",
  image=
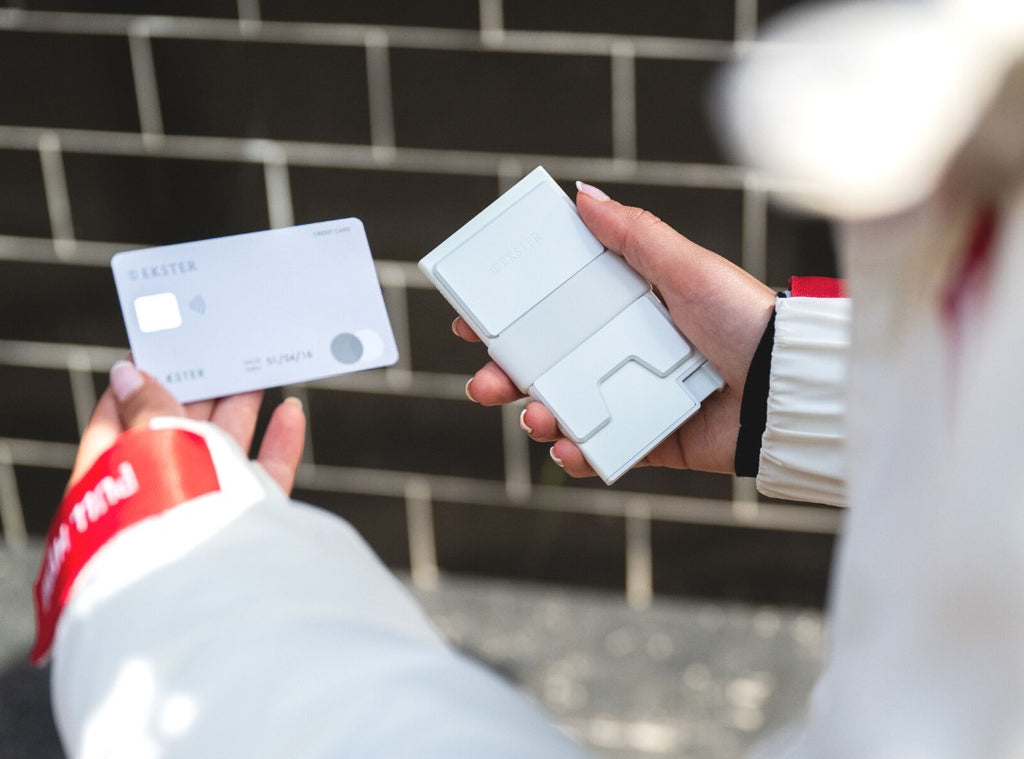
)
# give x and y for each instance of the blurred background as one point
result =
(674, 614)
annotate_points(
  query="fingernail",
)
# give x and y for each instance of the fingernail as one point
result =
(555, 458)
(294, 401)
(454, 322)
(522, 423)
(591, 191)
(125, 379)
(468, 394)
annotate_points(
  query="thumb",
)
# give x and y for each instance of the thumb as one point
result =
(720, 307)
(651, 247)
(139, 396)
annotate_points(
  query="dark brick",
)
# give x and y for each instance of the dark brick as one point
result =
(768, 10)
(574, 549)
(62, 80)
(406, 214)
(455, 14)
(710, 218)
(251, 89)
(40, 491)
(68, 304)
(672, 111)
(434, 347)
(37, 405)
(799, 245)
(157, 201)
(381, 521)
(678, 482)
(758, 566)
(408, 434)
(710, 19)
(22, 197)
(509, 102)
(26, 720)
(209, 8)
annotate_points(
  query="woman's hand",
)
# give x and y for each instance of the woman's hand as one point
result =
(720, 308)
(134, 398)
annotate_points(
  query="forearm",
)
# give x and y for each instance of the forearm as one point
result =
(243, 624)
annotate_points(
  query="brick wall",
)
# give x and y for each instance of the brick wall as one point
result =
(126, 123)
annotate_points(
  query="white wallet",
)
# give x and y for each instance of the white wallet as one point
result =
(572, 324)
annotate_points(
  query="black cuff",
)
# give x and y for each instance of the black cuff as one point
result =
(754, 406)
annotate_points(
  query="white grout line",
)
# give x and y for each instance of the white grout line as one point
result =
(42, 355)
(249, 17)
(44, 250)
(278, 185)
(509, 170)
(754, 243)
(147, 95)
(516, 448)
(378, 76)
(624, 139)
(396, 301)
(352, 35)
(419, 512)
(83, 391)
(38, 453)
(94, 253)
(746, 508)
(12, 515)
(58, 200)
(577, 500)
(492, 22)
(639, 554)
(745, 21)
(329, 478)
(347, 156)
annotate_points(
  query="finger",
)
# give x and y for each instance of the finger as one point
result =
(539, 423)
(237, 415)
(199, 410)
(461, 328)
(281, 449)
(492, 387)
(652, 247)
(100, 433)
(139, 396)
(567, 455)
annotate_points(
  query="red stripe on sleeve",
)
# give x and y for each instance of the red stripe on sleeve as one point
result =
(144, 474)
(817, 287)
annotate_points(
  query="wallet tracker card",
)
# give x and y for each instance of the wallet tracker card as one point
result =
(572, 324)
(251, 311)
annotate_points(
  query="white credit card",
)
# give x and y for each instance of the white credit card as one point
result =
(223, 316)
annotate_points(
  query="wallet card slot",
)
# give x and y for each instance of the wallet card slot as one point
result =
(575, 387)
(566, 318)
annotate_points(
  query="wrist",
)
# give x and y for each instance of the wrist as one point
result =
(143, 476)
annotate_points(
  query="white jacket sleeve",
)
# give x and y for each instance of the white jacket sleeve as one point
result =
(243, 624)
(803, 447)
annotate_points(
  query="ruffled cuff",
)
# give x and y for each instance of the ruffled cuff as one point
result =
(803, 448)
